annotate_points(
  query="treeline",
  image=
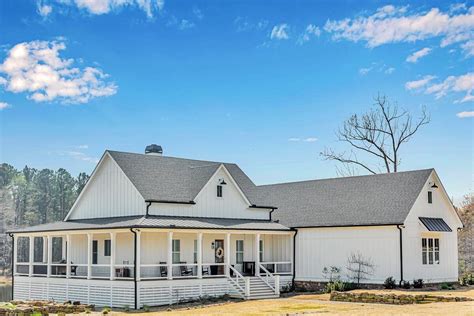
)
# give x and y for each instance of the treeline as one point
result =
(39, 196)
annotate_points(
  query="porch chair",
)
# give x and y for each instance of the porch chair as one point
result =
(73, 269)
(163, 270)
(185, 271)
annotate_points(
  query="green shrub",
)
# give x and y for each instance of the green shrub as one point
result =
(390, 283)
(446, 286)
(418, 284)
(146, 308)
(106, 310)
(467, 279)
(406, 284)
(339, 286)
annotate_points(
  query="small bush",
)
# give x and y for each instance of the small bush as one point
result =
(126, 308)
(446, 286)
(146, 308)
(390, 283)
(106, 310)
(467, 279)
(406, 284)
(418, 284)
(339, 286)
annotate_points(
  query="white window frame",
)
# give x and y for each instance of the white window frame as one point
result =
(239, 252)
(430, 250)
(176, 251)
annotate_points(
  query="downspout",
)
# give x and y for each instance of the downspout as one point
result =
(147, 208)
(135, 266)
(13, 264)
(294, 259)
(401, 253)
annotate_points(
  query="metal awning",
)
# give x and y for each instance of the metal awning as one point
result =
(434, 224)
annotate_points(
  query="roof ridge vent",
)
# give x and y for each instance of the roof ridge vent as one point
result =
(154, 149)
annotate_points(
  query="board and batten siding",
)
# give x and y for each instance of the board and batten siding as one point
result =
(109, 194)
(317, 248)
(231, 205)
(414, 231)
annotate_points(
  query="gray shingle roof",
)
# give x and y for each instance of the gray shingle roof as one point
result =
(155, 222)
(362, 200)
(176, 179)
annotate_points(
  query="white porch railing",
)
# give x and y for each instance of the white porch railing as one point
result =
(268, 278)
(237, 281)
(278, 267)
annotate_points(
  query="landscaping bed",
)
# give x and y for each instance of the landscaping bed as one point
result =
(26, 308)
(392, 298)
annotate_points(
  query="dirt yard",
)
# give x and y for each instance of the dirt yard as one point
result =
(319, 303)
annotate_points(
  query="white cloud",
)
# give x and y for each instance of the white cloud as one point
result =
(389, 70)
(198, 13)
(452, 84)
(242, 24)
(413, 58)
(82, 146)
(185, 24)
(36, 68)
(280, 32)
(43, 9)
(391, 24)
(4, 105)
(364, 71)
(310, 31)
(306, 140)
(465, 114)
(106, 6)
(418, 84)
(79, 156)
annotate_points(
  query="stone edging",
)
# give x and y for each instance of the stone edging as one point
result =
(397, 299)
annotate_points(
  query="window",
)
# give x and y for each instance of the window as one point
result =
(219, 191)
(430, 197)
(176, 251)
(261, 250)
(57, 245)
(38, 249)
(95, 251)
(239, 251)
(107, 247)
(195, 255)
(430, 250)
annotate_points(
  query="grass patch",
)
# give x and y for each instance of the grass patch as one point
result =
(295, 308)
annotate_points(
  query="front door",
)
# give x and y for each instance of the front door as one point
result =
(219, 255)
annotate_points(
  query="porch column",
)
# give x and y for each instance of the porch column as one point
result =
(89, 256)
(15, 253)
(68, 256)
(112, 255)
(50, 255)
(30, 255)
(139, 254)
(199, 255)
(227, 254)
(170, 256)
(257, 254)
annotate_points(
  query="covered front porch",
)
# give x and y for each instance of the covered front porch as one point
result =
(159, 254)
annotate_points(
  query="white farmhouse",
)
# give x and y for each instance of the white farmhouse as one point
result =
(149, 229)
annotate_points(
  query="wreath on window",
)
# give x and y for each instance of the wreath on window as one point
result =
(219, 252)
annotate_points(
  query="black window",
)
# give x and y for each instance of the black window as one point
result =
(430, 197)
(107, 248)
(219, 191)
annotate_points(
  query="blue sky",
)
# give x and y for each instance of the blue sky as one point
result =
(263, 85)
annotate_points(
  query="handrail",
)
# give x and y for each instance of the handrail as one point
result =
(239, 276)
(276, 278)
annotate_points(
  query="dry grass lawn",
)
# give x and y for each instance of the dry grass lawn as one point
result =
(319, 304)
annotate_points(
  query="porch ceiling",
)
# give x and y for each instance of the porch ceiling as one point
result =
(156, 222)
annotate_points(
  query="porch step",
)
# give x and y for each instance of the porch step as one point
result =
(258, 288)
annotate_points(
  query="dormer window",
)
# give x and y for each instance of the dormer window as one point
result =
(430, 197)
(219, 191)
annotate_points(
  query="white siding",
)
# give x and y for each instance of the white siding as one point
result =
(110, 193)
(231, 205)
(317, 248)
(414, 230)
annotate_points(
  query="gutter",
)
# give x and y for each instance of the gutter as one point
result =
(294, 259)
(150, 201)
(147, 208)
(135, 266)
(273, 209)
(401, 252)
(13, 264)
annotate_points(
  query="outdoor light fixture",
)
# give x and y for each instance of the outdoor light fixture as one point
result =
(212, 245)
(222, 182)
(434, 186)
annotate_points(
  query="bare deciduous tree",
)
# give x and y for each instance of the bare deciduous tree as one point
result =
(359, 267)
(378, 133)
